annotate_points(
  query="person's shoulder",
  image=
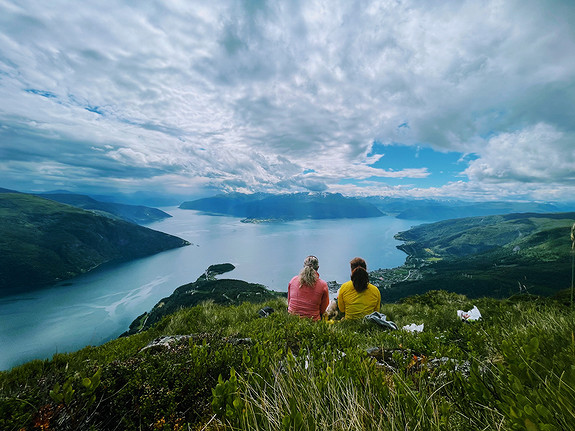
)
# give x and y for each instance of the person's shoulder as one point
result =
(346, 285)
(374, 289)
(294, 279)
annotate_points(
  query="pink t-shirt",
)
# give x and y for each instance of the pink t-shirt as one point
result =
(307, 301)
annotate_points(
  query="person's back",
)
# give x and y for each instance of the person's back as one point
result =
(356, 304)
(358, 298)
(308, 295)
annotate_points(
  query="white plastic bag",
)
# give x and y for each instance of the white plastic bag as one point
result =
(413, 328)
(468, 316)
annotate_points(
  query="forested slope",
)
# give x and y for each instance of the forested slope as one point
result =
(42, 241)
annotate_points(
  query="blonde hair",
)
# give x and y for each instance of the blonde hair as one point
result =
(308, 275)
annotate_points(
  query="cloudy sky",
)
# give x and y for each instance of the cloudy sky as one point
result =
(467, 99)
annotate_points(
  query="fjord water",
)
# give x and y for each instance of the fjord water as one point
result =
(99, 306)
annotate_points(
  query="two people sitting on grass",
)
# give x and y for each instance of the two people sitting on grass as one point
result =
(308, 295)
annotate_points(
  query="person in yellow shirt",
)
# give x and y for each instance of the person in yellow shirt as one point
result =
(358, 297)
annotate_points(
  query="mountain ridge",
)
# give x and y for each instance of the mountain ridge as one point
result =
(437, 210)
(138, 214)
(290, 206)
(294, 206)
(43, 241)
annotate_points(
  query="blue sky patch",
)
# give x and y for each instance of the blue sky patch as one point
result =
(94, 109)
(42, 93)
(442, 167)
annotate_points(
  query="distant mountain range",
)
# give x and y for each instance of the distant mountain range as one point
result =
(496, 256)
(42, 241)
(273, 207)
(435, 210)
(133, 213)
(270, 207)
(263, 206)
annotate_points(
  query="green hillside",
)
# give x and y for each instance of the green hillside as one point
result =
(205, 288)
(214, 367)
(42, 241)
(469, 236)
(484, 256)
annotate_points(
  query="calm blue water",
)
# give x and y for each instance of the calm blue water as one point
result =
(97, 307)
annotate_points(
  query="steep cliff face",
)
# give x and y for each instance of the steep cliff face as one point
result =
(42, 242)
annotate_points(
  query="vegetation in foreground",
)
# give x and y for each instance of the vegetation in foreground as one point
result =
(514, 369)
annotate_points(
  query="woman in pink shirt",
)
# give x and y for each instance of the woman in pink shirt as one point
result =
(307, 293)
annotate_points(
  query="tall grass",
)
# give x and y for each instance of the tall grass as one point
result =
(308, 398)
(498, 374)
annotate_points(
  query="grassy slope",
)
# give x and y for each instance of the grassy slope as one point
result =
(42, 241)
(499, 373)
(205, 288)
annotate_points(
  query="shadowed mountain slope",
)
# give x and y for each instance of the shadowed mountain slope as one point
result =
(205, 288)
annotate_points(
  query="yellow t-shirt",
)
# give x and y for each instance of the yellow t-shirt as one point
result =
(357, 305)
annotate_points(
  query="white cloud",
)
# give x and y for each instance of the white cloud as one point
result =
(248, 95)
(536, 154)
